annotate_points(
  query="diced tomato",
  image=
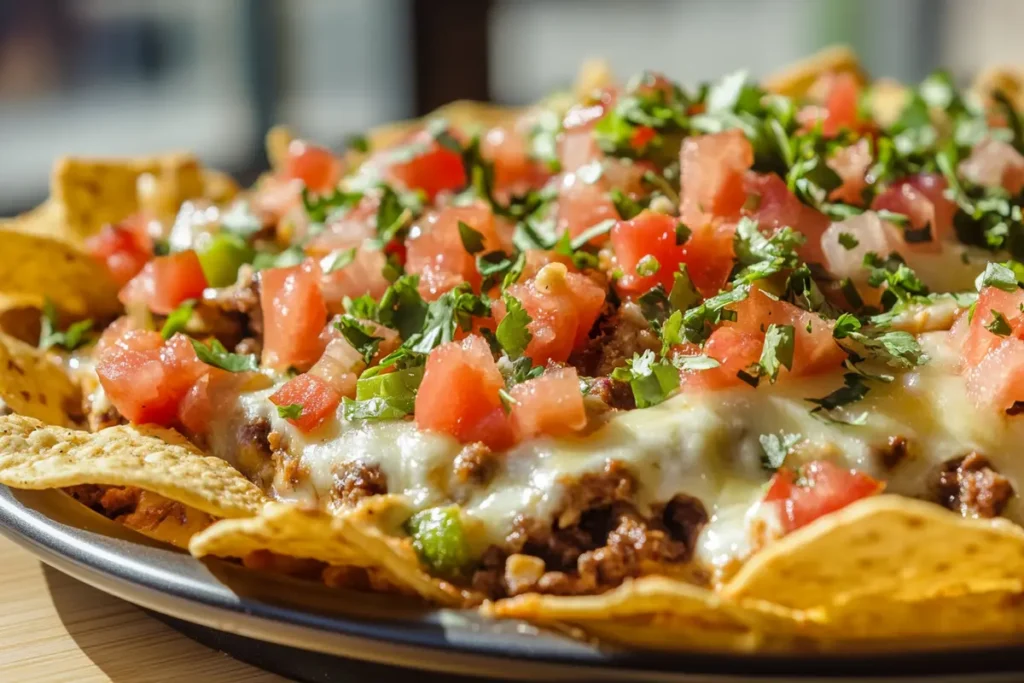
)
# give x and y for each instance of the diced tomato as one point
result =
(550, 404)
(577, 146)
(436, 253)
(921, 199)
(582, 205)
(562, 306)
(538, 258)
(294, 312)
(316, 397)
(851, 163)
(364, 275)
(872, 235)
(736, 350)
(641, 137)
(124, 247)
(146, 378)
(839, 108)
(315, 166)
(773, 206)
(712, 168)
(459, 395)
(507, 148)
(821, 488)
(994, 163)
(707, 253)
(210, 396)
(996, 382)
(979, 341)
(165, 282)
(433, 168)
(814, 349)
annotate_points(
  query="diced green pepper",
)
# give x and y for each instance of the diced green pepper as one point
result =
(440, 539)
(222, 257)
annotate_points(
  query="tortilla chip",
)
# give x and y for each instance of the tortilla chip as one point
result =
(352, 539)
(662, 613)
(93, 192)
(34, 456)
(277, 141)
(33, 268)
(797, 78)
(885, 546)
(594, 74)
(20, 316)
(32, 384)
(1006, 79)
(988, 611)
(218, 187)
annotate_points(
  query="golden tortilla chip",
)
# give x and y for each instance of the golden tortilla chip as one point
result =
(351, 539)
(34, 456)
(32, 384)
(987, 611)
(594, 74)
(277, 141)
(93, 192)
(46, 220)
(797, 78)
(33, 268)
(661, 613)
(886, 546)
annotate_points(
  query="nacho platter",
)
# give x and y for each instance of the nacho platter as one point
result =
(729, 371)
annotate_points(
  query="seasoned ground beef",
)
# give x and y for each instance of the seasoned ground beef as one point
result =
(598, 539)
(894, 452)
(355, 480)
(475, 464)
(233, 315)
(611, 393)
(618, 334)
(970, 486)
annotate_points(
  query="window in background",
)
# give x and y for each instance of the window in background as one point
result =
(345, 65)
(117, 77)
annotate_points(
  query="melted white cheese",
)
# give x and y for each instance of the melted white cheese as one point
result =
(703, 445)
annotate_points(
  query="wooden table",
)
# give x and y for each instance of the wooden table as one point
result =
(54, 629)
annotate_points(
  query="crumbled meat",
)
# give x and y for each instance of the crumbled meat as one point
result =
(617, 335)
(118, 500)
(355, 480)
(475, 464)
(598, 540)
(612, 393)
(88, 495)
(684, 516)
(970, 486)
(101, 419)
(613, 484)
(152, 510)
(894, 452)
(239, 302)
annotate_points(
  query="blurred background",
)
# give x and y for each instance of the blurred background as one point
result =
(122, 77)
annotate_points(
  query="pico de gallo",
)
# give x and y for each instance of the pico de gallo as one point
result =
(658, 326)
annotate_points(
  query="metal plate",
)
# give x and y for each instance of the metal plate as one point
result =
(381, 629)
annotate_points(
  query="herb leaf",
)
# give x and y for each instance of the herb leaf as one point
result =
(512, 332)
(217, 356)
(292, 411)
(177, 319)
(360, 336)
(779, 342)
(652, 381)
(472, 240)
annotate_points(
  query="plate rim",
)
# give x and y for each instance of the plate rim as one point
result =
(55, 543)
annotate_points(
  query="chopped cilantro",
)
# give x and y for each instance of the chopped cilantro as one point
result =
(321, 207)
(684, 294)
(512, 332)
(71, 338)
(472, 240)
(392, 215)
(626, 206)
(360, 336)
(647, 266)
(519, 370)
(777, 351)
(217, 356)
(455, 308)
(402, 308)
(596, 230)
(292, 411)
(358, 143)
(380, 408)
(651, 380)
(178, 319)
(847, 240)
(697, 321)
(338, 259)
(853, 390)
(682, 234)
(775, 448)
(999, 276)
(998, 325)
(364, 307)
